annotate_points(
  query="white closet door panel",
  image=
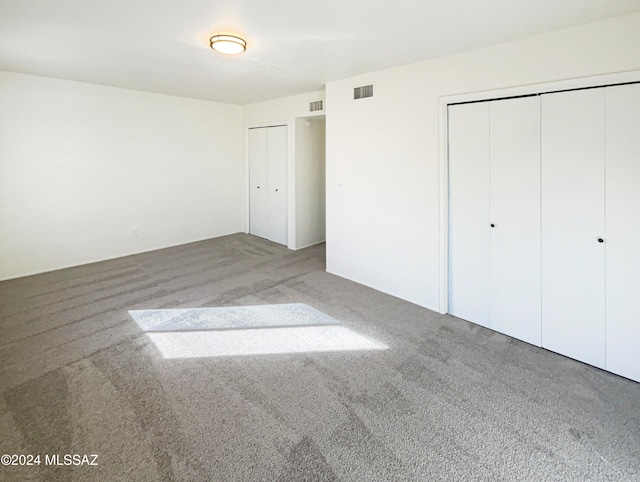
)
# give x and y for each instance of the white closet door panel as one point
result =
(573, 307)
(258, 183)
(469, 232)
(278, 184)
(515, 214)
(623, 230)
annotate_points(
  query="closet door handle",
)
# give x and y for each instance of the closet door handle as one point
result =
(276, 190)
(493, 225)
(600, 240)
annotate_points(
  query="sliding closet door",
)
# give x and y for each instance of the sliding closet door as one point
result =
(573, 307)
(515, 218)
(277, 199)
(469, 232)
(258, 183)
(623, 230)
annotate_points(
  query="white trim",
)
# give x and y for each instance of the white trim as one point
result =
(291, 184)
(540, 88)
(258, 125)
(309, 245)
(317, 113)
(443, 165)
(443, 201)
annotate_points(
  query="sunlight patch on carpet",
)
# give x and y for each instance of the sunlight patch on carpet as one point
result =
(230, 317)
(248, 330)
(299, 339)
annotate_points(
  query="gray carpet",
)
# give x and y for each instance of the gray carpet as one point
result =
(446, 400)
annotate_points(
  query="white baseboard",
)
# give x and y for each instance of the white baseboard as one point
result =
(395, 295)
(109, 258)
(309, 245)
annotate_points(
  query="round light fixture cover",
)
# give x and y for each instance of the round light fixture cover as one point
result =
(228, 44)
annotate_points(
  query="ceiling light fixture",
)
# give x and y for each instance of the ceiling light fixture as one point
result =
(228, 44)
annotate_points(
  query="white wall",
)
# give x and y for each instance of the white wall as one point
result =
(82, 164)
(383, 226)
(281, 112)
(284, 110)
(310, 181)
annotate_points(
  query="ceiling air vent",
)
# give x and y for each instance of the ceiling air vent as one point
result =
(363, 92)
(316, 105)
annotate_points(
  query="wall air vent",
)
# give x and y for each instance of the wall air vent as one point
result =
(363, 92)
(316, 105)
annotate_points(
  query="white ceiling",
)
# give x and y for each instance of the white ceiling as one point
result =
(294, 46)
